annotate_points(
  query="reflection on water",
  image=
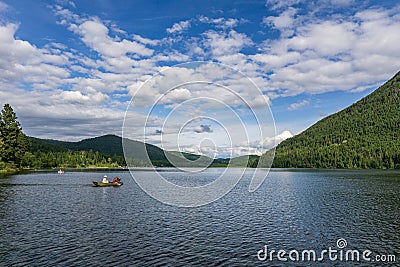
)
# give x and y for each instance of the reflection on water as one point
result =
(48, 219)
(4, 195)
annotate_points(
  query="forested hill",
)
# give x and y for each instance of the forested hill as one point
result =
(107, 150)
(364, 135)
(107, 145)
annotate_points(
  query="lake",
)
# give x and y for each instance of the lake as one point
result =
(47, 219)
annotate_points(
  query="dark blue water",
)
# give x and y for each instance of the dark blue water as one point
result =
(48, 219)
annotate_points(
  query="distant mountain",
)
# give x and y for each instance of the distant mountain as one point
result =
(138, 153)
(364, 135)
(108, 145)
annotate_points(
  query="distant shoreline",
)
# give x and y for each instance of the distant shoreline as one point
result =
(110, 169)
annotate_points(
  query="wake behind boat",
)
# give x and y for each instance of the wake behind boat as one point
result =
(116, 182)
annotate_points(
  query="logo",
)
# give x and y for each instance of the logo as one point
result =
(338, 253)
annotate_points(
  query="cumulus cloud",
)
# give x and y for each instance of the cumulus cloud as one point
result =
(53, 82)
(298, 105)
(222, 23)
(177, 95)
(360, 49)
(77, 97)
(282, 22)
(179, 27)
(269, 143)
(256, 147)
(279, 4)
(283, 136)
(21, 61)
(145, 41)
(221, 44)
(46, 114)
(96, 35)
(118, 55)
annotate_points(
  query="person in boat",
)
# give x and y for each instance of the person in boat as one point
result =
(105, 179)
(116, 180)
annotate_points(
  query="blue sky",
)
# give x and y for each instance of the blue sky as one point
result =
(70, 68)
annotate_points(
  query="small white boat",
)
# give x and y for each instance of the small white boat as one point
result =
(60, 171)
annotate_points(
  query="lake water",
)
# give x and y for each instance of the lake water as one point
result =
(48, 219)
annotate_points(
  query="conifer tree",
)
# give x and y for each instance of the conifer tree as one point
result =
(13, 141)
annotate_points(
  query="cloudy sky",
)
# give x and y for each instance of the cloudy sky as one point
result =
(71, 68)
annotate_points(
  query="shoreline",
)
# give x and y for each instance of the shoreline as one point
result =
(122, 169)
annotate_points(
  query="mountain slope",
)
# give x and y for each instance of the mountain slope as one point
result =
(137, 152)
(364, 135)
(108, 144)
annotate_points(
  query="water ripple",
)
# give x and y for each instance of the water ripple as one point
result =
(53, 220)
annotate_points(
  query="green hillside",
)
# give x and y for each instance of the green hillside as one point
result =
(45, 153)
(51, 152)
(364, 135)
(107, 145)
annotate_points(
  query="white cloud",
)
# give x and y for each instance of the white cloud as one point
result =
(21, 61)
(283, 22)
(221, 23)
(339, 2)
(34, 80)
(327, 38)
(95, 34)
(274, 141)
(179, 27)
(77, 97)
(46, 114)
(298, 105)
(254, 147)
(145, 41)
(312, 7)
(74, 96)
(278, 4)
(283, 136)
(177, 95)
(360, 49)
(221, 44)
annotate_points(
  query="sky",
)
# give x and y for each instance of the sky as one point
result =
(270, 69)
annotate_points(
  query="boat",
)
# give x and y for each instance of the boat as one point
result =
(60, 171)
(101, 184)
